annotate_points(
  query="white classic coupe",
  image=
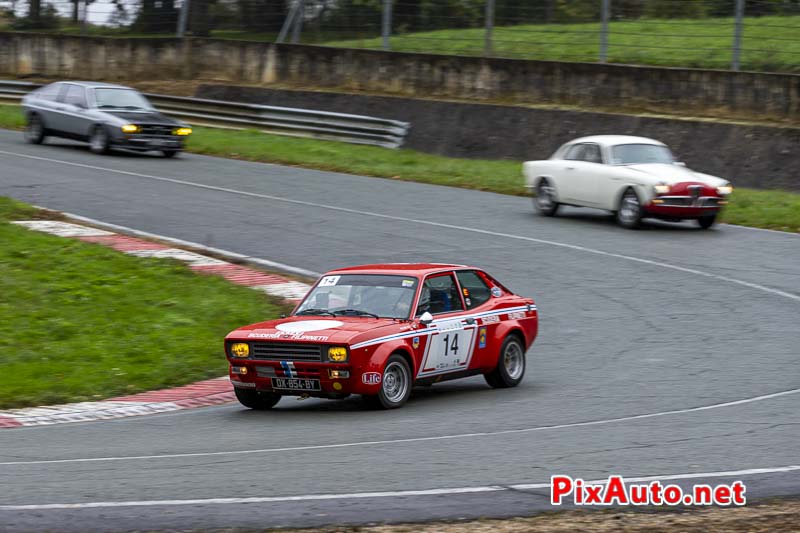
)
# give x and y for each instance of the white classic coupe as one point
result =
(633, 177)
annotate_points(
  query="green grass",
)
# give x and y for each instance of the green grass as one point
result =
(769, 43)
(81, 322)
(757, 208)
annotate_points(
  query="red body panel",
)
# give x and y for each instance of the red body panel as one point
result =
(370, 341)
(696, 199)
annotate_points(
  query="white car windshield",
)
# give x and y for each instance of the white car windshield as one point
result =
(370, 295)
(636, 154)
(112, 98)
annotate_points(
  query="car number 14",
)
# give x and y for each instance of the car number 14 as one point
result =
(449, 350)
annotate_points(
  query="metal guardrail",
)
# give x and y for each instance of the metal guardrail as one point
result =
(325, 125)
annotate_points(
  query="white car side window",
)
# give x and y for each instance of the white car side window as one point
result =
(575, 153)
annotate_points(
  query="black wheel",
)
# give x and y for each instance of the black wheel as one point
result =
(169, 153)
(707, 221)
(99, 141)
(34, 130)
(396, 385)
(629, 212)
(510, 365)
(256, 399)
(545, 199)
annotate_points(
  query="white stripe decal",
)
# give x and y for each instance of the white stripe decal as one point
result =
(385, 494)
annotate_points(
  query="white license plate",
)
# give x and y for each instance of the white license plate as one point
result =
(295, 384)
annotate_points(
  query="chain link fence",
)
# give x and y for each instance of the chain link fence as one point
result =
(761, 35)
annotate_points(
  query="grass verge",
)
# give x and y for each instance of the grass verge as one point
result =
(769, 209)
(82, 322)
(768, 44)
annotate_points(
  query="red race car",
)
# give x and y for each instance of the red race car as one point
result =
(378, 330)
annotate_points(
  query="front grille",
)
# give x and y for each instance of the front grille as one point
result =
(287, 351)
(151, 129)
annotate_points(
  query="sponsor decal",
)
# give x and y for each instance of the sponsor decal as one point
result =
(415, 342)
(491, 319)
(329, 281)
(516, 315)
(370, 378)
(292, 336)
(496, 292)
(288, 369)
(482, 337)
(407, 283)
(308, 325)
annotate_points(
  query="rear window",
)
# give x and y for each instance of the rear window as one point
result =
(476, 291)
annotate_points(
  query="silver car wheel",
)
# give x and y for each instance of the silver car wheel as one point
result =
(514, 360)
(544, 196)
(396, 382)
(629, 209)
(99, 140)
(34, 129)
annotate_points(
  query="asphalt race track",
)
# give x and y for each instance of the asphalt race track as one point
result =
(662, 352)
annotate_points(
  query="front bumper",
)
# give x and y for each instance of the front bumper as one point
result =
(270, 375)
(685, 206)
(146, 143)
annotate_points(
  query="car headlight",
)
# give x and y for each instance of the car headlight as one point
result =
(725, 190)
(183, 131)
(130, 128)
(240, 349)
(661, 188)
(337, 354)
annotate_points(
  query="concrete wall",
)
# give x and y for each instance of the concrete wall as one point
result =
(514, 81)
(753, 156)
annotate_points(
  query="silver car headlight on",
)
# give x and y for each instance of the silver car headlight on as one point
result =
(725, 190)
(661, 188)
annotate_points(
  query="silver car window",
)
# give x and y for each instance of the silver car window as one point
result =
(112, 97)
(49, 92)
(75, 95)
(575, 153)
(591, 153)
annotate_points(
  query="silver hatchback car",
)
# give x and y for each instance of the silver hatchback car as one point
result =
(107, 116)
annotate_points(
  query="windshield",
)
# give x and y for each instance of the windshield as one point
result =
(361, 295)
(634, 154)
(120, 99)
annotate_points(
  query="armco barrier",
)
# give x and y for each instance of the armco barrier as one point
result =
(326, 125)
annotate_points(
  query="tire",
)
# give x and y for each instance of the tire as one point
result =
(34, 130)
(169, 153)
(707, 221)
(629, 212)
(510, 367)
(396, 383)
(545, 200)
(99, 141)
(258, 400)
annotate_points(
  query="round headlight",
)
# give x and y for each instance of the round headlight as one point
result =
(725, 190)
(661, 188)
(240, 349)
(337, 354)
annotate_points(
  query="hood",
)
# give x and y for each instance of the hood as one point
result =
(143, 117)
(674, 174)
(316, 329)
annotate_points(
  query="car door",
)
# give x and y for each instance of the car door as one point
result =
(451, 340)
(47, 104)
(479, 293)
(572, 172)
(589, 175)
(61, 112)
(76, 119)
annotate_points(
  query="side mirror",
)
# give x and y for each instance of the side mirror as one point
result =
(426, 318)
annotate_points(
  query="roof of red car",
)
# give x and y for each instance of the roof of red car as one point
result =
(409, 269)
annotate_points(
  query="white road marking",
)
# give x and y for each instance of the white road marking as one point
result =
(383, 494)
(411, 439)
(719, 277)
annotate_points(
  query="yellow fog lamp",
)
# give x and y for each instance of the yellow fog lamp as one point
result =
(183, 131)
(337, 354)
(240, 349)
(130, 128)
